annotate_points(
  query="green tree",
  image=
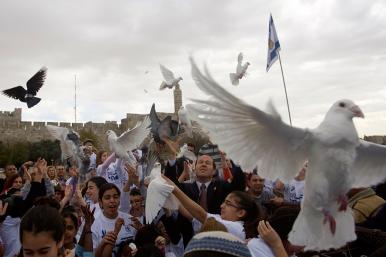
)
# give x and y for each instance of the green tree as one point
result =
(47, 149)
(18, 153)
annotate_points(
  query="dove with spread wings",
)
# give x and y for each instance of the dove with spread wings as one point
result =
(33, 86)
(170, 80)
(337, 159)
(128, 141)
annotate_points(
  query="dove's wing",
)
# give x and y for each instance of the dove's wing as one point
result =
(168, 74)
(157, 194)
(15, 92)
(36, 82)
(239, 68)
(151, 160)
(369, 167)
(133, 138)
(240, 58)
(248, 135)
(60, 134)
(155, 121)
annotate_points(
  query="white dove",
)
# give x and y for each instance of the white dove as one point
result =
(170, 80)
(159, 192)
(70, 147)
(185, 122)
(338, 159)
(128, 140)
(185, 152)
(240, 70)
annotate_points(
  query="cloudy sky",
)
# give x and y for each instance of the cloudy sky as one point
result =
(330, 50)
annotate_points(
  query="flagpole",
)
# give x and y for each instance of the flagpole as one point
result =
(285, 89)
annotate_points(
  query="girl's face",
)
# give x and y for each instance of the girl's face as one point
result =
(230, 209)
(104, 157)
(17, 183)
(69, 232)
(41, 244)
(110, 203)
(92, 191)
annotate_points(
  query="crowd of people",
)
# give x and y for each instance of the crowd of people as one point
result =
(224, 210)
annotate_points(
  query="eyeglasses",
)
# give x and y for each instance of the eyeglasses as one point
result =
(229, 203)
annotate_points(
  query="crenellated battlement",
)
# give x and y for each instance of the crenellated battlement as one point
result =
(13, 129)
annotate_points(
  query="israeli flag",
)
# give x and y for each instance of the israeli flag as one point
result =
(273, 44)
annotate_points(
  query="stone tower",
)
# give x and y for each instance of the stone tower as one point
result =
(177, 98)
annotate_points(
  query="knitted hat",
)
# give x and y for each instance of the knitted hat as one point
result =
(217, 241)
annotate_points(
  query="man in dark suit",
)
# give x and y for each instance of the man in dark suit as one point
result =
(206, 191)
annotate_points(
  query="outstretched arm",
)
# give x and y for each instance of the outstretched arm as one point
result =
(195, 210)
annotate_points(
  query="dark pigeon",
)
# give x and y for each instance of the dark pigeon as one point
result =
(33, 86)
(166, 128)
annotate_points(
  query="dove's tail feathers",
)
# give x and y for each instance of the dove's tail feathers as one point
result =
(234, 79)
(32, 101)
(163, 86)
(312, 231)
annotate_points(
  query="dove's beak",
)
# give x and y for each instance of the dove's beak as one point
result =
(357, 111)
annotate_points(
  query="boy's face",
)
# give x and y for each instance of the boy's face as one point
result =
(136, 201)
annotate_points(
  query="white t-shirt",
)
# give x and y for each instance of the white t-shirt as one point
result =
(102, 225)
(236, 228)
(95, 206)
(297, 190)
(259, 248)
(116, 174)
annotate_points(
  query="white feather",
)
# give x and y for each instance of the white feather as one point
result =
(129, 140)
(185, 121)
(240, 70)
(67, 147)
(159, 195)
(170, 80)
(337, 159)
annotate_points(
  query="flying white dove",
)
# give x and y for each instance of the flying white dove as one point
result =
(170, 80)
(338, 160)
(159, 192)
(240, 70)
(70, 147)
(128, 140)
(185, 122)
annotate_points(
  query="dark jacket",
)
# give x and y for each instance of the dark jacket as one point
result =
(216, 194)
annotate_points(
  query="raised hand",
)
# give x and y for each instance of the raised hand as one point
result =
(110, 238)
(135, 223)
(88, 215)
(118, 225)
(268, 234)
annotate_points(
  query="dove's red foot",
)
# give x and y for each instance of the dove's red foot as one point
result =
(330, 219)
(342, 200)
